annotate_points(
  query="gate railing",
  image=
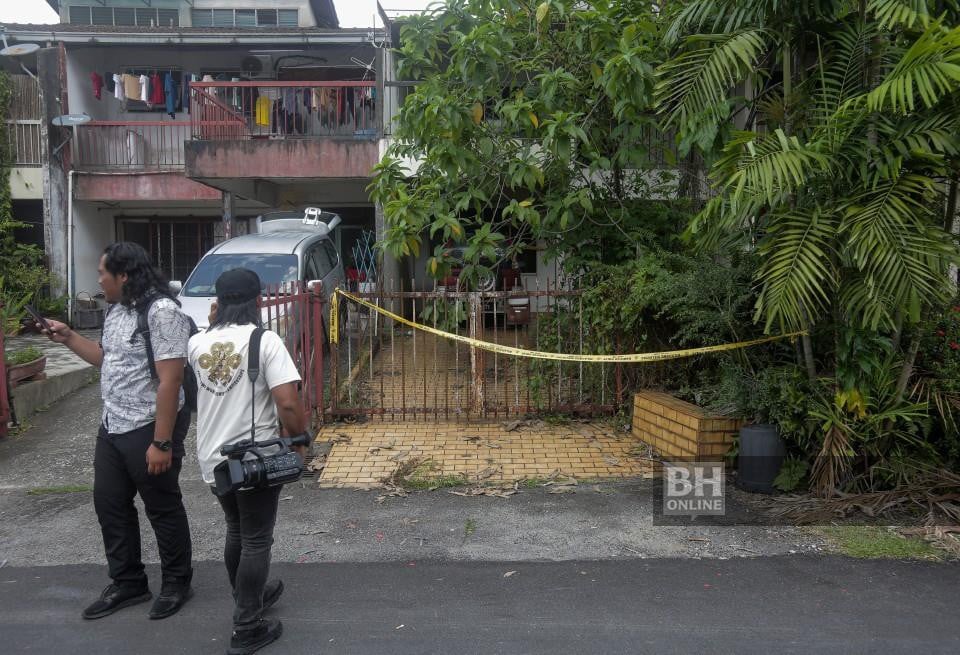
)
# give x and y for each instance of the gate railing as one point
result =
(295, 312)
(397, 372)
(5, 414)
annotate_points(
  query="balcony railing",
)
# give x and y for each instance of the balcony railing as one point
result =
(23, 121)
(131, 145)
(283, 110)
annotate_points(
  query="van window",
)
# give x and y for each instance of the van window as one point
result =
(332, 253)
(318, 263)
(273, 270)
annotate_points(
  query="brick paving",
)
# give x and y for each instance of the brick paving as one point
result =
(363, 454)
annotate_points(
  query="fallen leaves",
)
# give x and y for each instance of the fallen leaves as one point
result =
(492, 491)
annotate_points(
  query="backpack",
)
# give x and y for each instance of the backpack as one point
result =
(189, 377)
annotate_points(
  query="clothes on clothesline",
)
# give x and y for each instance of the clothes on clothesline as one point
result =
(131, 87)
(97, 82)
(170, 91)
(262, 111)
(156, 90)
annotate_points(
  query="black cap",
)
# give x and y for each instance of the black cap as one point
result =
(238, 285)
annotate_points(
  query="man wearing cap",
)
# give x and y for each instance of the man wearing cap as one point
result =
(219, 358)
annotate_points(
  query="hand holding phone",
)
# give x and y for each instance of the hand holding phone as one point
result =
(37, 318)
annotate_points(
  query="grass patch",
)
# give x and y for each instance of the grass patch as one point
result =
(469, 528)
(533, 483)
(63, 489)
(876, 542)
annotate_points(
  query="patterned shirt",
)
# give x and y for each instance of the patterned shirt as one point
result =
(128, 390)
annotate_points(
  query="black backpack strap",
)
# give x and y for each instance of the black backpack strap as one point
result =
(253, 372)
(143, 327)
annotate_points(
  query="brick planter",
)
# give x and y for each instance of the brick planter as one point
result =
(679, 429)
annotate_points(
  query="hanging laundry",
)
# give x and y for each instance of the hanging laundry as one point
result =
(108, 82)
(156, 90)
(185, 100)
(131, 87)
(117, 87)
(144, 88)
(288, 99)
(264, 107)
(97, 84)
(170, 89)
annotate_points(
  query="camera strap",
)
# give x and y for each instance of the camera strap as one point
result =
(253, 372)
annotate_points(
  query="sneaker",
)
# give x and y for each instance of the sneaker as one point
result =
(170, 601)
(271, 593)
(250, 640)
(115, 598)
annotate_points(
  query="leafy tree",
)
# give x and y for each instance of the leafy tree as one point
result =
(530, 121)
(832, 128)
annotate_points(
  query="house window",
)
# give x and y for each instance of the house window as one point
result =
(142, 16)
(245, 18)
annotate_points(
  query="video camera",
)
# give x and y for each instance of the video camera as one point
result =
(239, 471)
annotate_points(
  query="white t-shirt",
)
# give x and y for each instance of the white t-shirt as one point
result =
(219, 359)
(145, 88)
(118, 87)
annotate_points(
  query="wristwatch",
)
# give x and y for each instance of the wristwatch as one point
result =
(163, 445)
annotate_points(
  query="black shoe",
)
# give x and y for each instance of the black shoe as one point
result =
(114, 598)
(244, 642)
(170, 601)
(271, 593)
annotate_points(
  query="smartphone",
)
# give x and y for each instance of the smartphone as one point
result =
(35, 315)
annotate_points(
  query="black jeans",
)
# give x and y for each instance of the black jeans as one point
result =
(119, 473)
(250, 516)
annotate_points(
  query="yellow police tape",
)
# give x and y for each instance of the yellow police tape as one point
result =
(537, 354)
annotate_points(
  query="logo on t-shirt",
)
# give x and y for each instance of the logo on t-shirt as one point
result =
(220, 363)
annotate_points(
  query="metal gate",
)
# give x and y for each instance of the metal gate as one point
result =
(296, 313)
(396, 372)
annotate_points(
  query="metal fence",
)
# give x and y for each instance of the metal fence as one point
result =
(5, 411)
(251, 110)
(396, 372)
(296, 314)
(131, 145)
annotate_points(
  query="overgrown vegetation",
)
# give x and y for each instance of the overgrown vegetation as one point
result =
(825, 135)
(23, 275)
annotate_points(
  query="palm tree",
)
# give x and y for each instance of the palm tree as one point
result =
(839, 160)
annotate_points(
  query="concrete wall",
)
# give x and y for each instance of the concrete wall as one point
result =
(26, 183)
(282, 159)
(94, 230)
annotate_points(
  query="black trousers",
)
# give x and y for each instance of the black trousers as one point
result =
(120, 472)
(250, 516)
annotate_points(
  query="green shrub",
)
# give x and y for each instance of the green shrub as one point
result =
(23, 356)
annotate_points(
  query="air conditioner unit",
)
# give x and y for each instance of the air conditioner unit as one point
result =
(258, 67)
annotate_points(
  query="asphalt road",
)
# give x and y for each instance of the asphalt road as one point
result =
(798, 604)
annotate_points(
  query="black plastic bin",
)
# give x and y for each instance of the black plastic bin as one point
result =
(761, 455)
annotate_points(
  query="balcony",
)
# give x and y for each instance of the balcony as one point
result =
(226, 111)
(131, 146)
(284, 142)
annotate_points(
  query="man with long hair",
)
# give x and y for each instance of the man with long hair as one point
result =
(220, 358)
(139, 447)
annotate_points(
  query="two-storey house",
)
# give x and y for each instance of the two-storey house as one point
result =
(202, 115)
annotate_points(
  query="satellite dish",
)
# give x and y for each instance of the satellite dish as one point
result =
(69, 120)
(19, 50)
